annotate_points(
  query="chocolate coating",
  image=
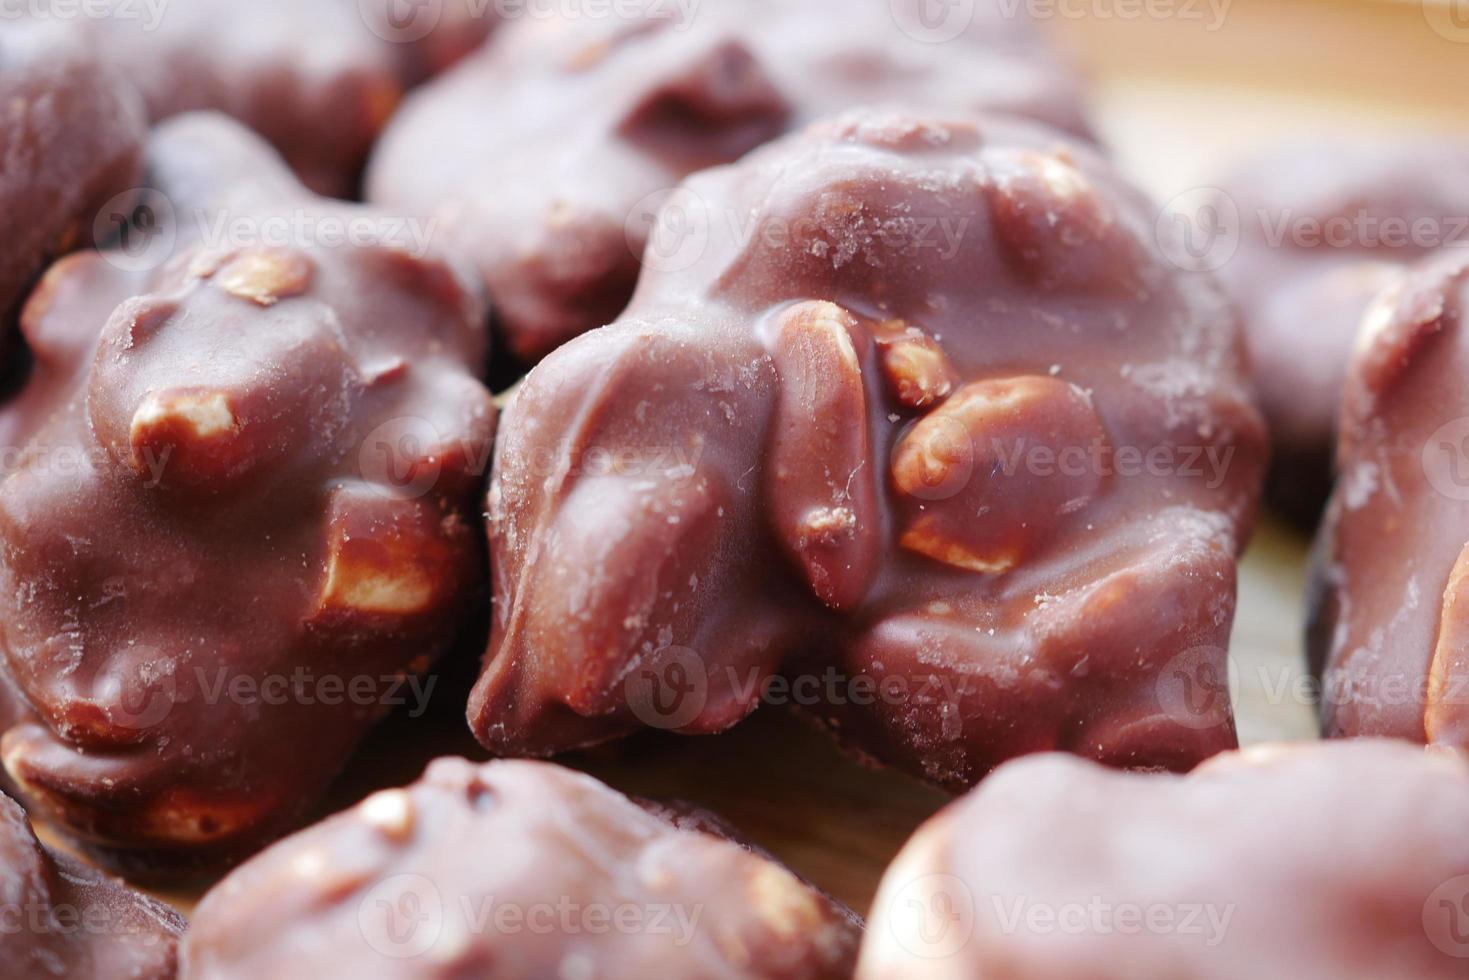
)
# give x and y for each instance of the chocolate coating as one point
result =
(64, 919)
(318, 78)
(242, 466)
(1325, 227)
(886, 430)
(518, 871)
(544, 154)
(70, 139)
(1388, 633)
(1345, 861)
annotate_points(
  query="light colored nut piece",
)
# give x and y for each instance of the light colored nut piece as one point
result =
(390, 811)
(1446, 711)
(200, 414)
(787, 907)
(928, 538)
(989, 474)
(384, 557)
(823, 488)
(917, 370)
(266, 276)
(358, 580)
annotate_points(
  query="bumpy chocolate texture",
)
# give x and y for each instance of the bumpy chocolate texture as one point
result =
(518, 871)
(318, 78)
(1345, 861)
(544, 155)
(1389, 632)
(1325, 227)
(214, 578)
(70, 139)
(887, 429)
(60, 918)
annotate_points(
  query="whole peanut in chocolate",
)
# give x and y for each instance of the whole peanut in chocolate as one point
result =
(61, 918)
(912, 427)
(518, 871)
(546, 154)
(242, 524)
(1344, 861)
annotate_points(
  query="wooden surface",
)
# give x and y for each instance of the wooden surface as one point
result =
(1175, 100)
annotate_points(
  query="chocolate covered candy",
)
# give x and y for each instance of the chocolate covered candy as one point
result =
(1329, 862)
(1388, 633)
(318, 78)
(518, 871)
(923, 430)
(60, 918)
(70, 140)
(546, 154)
(1325, 227)
(244, 520)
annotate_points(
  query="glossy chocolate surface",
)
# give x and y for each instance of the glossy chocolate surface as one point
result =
(518, 871)
(1389, 633)
(60, 918)
(1345, 861)
(1325, 228)
(243, 517)
(71, 137)
(546, 154)
(920, 432)
(318, 78)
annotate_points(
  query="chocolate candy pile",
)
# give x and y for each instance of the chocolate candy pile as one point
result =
(848, 373)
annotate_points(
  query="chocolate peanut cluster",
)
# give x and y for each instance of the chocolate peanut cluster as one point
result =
(1344, 861)
(318, 78)
(546, 154)
(245, 514)
(71, 137)
(1389, 634)
(519, 871)
(918, 407)
(1326, 226)
(60, 918)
